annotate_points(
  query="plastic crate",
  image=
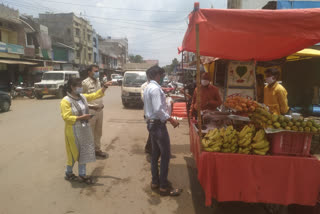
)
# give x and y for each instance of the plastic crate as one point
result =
(290, 143)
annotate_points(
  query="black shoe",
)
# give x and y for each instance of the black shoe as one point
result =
(101, 154)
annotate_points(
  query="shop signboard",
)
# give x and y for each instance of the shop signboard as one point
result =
(15, 49)
(3, 47)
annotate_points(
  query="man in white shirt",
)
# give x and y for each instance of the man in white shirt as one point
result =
(156, 114)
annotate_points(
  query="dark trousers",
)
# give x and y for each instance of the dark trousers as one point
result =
(148, 147)
(160, 147)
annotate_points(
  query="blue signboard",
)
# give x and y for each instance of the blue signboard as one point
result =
(11, 48)
(3, 47)
(16, 49)
(284, 4)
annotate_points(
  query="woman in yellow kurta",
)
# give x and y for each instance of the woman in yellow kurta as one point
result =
(78, 136)
(275, 95)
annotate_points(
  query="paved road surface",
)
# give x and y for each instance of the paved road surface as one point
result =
(32, 164)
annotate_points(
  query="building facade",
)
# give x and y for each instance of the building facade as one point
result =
(12, 50)
(113, 55)
(95, 43)
(72, 37)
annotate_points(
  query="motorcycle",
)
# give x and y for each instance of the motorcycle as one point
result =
(21, 91)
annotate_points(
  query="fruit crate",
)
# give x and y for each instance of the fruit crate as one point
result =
(290, 143)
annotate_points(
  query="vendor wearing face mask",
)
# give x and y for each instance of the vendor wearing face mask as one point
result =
(275, 95)
(210, 97)
(92, 85)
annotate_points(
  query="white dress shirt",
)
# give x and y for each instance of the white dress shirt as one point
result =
(155, 106)
(144, 85)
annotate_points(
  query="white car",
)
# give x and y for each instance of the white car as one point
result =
(54, 83)
(116, 80)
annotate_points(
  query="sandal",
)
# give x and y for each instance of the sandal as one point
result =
(154, 186)
(86, 179)
(171, 192)
(71, 177)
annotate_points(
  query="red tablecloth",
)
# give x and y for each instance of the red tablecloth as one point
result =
(256, 179)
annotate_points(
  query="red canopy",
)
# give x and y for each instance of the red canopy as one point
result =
(260, 35)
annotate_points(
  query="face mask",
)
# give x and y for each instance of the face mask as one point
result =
(96, 75)
(79, 90)
(205, 82)
(270, 80)
(161, 80)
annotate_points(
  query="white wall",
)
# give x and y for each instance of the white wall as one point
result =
(253, 4)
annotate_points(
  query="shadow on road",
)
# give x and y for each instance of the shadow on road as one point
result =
(50, 97)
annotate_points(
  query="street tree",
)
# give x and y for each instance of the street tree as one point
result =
(135, 58)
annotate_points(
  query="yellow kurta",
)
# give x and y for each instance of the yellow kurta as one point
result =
(276, 99)
(70, 119)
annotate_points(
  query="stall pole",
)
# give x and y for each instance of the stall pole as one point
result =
(184, 89)
(198, 83)
(255, 80)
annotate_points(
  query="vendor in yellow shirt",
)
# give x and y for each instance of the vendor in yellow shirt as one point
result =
(275, 95)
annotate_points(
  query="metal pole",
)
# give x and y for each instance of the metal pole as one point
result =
(255, 93)
(184, 89)
(198, 83)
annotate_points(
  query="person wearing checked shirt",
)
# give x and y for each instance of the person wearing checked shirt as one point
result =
(156, 114)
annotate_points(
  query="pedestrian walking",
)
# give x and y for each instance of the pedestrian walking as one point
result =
(92, 85)
(156, 114)
(78, 135)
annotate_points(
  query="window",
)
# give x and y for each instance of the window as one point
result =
(89, 37)
(73, 75)
(52, 76)
(84, 34)
(0, 36)
(67, 76)
(69, 32)
(95, 42)
(29, 39)
(77, 31)
(90, 57)
(78, 54)
(95, 57)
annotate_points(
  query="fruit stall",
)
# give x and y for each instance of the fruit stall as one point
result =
(244, 152)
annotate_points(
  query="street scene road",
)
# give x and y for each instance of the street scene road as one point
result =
(33, 160)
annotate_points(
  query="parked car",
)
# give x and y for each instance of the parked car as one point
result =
(131, 87)
(54, 83)
(116, 80)
(5, 101)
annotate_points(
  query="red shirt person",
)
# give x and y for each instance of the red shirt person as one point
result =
(210, 97)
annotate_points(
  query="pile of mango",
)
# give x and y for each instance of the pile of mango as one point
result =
(264, 119)
(241, 104)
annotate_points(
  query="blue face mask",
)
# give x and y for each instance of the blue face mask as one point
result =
(96, 75)
(79, 90)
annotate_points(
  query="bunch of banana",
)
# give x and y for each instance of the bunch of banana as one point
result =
(260, 144)
(245, 139)
(212, 141)
(230, 139)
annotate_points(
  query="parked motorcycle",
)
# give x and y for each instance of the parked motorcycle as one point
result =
(21, 91)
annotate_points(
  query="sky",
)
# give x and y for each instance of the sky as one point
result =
(154, 28)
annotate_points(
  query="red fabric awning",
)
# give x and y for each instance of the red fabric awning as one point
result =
(244, 35)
